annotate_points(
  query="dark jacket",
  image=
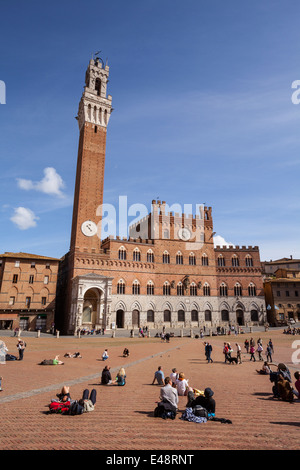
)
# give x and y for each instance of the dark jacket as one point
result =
(106, 377)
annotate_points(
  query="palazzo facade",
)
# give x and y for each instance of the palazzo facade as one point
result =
(166, 273)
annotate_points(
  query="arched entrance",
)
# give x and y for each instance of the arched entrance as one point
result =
(254, 316)
(120, 318)
(240, 317)
(135, 319)
(91, 308)
(225, 315)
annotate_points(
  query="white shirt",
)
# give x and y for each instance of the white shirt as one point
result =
(182, 385)
(173, 377)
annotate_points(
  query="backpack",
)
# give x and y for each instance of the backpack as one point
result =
(198, 410)
(168, 414)
(76, 408)
(59, 407)
(165, 410)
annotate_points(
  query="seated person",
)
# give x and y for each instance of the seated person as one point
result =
(174, 376)
(265, 370)
(105, 355)
(205, 401)
(284, 388)
(159, 376)
(282, 371)
(297, 384)
(120, 379)
(182, 384)
(126, 352)
(169, 393)
(106, 376)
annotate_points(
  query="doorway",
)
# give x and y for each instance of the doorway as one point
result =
(120, 318)
(240, 317)
(135, 319)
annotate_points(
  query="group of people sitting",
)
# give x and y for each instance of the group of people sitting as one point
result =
(200, 405)
(106, 378)
(291, 331)
(282, 380)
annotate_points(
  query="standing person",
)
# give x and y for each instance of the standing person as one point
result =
(246, 344)
(208, 351)
(21, 347)
(259, 350)
(252, 351)
(238, 353)
(225, 351)
(269, 353)
(1, 389)
(271, 345)
(159, 376)
(252, 342)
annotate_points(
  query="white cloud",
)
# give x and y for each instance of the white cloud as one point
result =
(220, 241)
(52, 183)
(24, 218)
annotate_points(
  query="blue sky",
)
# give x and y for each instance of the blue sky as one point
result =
(202, 114)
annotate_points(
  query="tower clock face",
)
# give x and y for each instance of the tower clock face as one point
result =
(184, 234)
(89, 228)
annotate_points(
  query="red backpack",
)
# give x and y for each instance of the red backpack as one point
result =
(59, 407)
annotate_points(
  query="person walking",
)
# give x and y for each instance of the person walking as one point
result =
(246, 344)
(259, 350)
(226, 352)
(269, 353)
(252, 351)
(238, 353)
(208, 351)
(271, 345)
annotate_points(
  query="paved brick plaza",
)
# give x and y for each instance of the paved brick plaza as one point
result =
(123, 418)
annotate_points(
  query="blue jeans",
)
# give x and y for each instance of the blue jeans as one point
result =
(85, 395)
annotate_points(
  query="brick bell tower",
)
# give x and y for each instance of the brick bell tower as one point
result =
(76, 271)
(94, 112)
